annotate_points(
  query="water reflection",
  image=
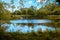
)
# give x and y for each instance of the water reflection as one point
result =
(23, 26)
(31, 21)
(26, 28)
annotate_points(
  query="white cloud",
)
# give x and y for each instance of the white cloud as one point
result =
(18, 0)
(29, 2)
(39, 0)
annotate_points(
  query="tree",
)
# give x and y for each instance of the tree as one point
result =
(21, 3)
(12, 5)
(56, 11)
(5, 15)
(1, 8)
(16, 12)
(23, 11)
(31, 10)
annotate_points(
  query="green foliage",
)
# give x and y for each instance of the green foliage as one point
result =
(42, 13)
(5, 15)
(23, 11)
(31, 10)
(47, 35)
(56, 11)
(1, 6)
(16, 12)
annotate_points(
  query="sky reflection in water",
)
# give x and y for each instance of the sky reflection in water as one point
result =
(13, 27)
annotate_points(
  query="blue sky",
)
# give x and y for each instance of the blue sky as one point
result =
(27, 4)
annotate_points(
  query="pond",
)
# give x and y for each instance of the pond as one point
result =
(31, 21)
(27, 25)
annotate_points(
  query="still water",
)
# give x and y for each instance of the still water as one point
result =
(16, 25)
